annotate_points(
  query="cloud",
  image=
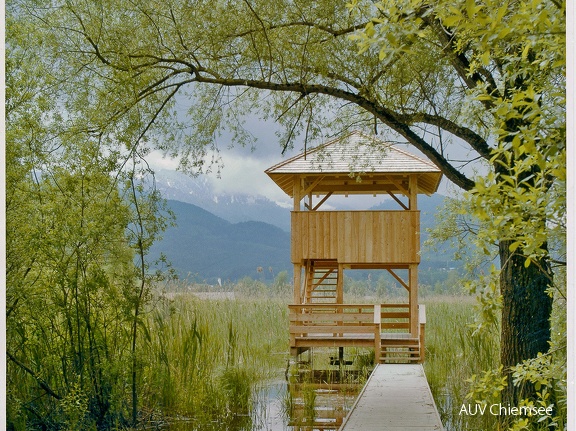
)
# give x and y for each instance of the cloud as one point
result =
(157, 161)
(239, 174)
(245, 174)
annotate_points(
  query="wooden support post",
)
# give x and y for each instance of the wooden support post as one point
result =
(296, 193)
(413, 268)
(413, 192)
(293, 320)
(297, 266)
(377, 329)
(422, 337)
(297, 283)
(413, 298)
(340, 285)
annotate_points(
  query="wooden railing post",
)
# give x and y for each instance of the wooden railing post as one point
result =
(422, 322)
(377, 325)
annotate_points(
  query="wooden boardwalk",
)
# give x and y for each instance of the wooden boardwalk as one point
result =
(395, 398)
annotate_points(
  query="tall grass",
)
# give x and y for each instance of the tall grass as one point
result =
(203, 357)
(453, 355)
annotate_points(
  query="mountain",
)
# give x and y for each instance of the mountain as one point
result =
(230, 236)
(234, 208)
(205, 247)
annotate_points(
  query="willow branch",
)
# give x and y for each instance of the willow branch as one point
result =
(475, 140)
(388, 117)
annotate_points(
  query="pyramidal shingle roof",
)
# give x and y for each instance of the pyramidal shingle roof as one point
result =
(377, 166)
(354, 153)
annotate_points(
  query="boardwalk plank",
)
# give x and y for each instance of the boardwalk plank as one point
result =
(396, 398)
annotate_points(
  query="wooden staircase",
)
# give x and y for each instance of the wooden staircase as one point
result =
(395, 349)
(321, 282)
(397, 344)
(402, 347)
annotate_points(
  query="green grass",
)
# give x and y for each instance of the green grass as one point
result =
(453, 355)
(204, 356)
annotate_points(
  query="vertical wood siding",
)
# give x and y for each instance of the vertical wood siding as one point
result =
(356, 236)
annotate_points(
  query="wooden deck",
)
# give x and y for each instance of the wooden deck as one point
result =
(395, 398)
(383, 327)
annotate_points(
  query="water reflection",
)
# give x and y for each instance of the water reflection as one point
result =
(307, 401)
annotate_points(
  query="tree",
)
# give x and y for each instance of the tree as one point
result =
(438, 75)
(65, 305)
(73, 290)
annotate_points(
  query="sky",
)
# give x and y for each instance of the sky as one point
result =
(243, 168)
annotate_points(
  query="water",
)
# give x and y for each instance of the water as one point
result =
(316, 400)
(303, 406)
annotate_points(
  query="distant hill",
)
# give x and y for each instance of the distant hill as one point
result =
(232, 207)
(204, 247)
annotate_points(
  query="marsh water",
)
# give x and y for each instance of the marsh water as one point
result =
(316, 400)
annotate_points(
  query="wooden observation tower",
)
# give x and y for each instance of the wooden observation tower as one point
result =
(326, 243)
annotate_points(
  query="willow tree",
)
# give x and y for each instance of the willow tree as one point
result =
(76, 217)
(449, 77)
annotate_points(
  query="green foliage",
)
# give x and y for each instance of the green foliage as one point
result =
(547, 372)
(454, 353)
(515, 60)
(103, 78)
(510, 58)
(488, 300)
(237, 386)
(524, 199)
(203, 357)
(75, 408)
(251, 288)
(63, 323)
(487, 387)
(282, 284)
(71, 281)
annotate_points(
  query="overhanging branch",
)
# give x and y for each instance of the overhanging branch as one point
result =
(388, 117)
(476, 141)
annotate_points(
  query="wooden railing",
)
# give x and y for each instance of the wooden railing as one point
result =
(421, 330)
(391, 237)
(332, 318)
(352, 324)
(395, 317)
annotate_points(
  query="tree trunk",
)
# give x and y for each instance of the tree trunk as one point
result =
(525, 315)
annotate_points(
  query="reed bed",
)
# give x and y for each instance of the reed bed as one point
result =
(453, 355)
(203, 358)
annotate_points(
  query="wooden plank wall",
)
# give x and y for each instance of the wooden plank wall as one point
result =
(356, 236)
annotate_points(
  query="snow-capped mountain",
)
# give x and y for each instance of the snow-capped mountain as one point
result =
(234, 208)
(230, 235)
